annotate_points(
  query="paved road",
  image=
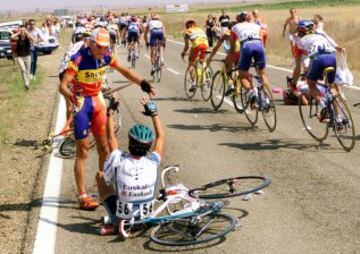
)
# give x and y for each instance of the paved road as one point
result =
(312, 205)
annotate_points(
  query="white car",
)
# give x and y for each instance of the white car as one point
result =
(48, 46)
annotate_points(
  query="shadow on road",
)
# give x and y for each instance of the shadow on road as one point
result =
(212, 127)
(173, 98)
(276, 144)
(200, 111)
(149, 245)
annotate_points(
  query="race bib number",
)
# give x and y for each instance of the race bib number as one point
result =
(320, 48)
(130, 210)
(246, 36)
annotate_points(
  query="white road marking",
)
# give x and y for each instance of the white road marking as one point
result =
(268, 65)
(46, 232)
(173, 71)
(147, 56)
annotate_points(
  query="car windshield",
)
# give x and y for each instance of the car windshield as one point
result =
(4, 35)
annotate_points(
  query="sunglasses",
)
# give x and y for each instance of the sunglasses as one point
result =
(99, 47)
(32, 24)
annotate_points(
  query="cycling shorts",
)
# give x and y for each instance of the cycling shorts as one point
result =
(318, 65)
(91, 114)
(132, 36)
(198, 51)
(156, 35)
(112, 34)
(252, 50)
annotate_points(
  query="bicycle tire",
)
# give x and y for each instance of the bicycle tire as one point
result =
(308, 114)
(268, 110)
(188, 84)
(182, 228)
(224, 188)
(67, 148)
(346, 126)
(133, 60)
(218, 86)
(250, 114)
(158, 69)
(206, 83)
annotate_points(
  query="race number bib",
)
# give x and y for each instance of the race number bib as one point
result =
(130, 210)
(320, 48)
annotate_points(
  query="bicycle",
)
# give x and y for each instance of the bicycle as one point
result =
(132, 54)
(158, 63)
(340, 119)
(263, 103)
(67, 145)
(201, 76)
(195, 222)
(219, 86)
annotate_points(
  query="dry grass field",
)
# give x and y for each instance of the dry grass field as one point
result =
(341, 23)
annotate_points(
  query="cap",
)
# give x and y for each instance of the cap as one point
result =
(101, 36)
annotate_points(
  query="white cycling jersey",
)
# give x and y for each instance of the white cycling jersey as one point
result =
(246, 31)
(135, 181)
(316, 43)
(155, 25)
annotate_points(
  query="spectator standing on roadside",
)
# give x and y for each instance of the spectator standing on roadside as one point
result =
(47, 28)
(291, 23)
(23, 44)
(37, 35)
(258, 19)
(56, 28)
(210, 29)
(224, 20)
(319, 23)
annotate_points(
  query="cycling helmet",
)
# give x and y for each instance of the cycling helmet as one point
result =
(242, 16)
(140, 139)
(305, 26)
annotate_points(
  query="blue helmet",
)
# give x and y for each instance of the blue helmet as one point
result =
(305, 26)
(140, 139)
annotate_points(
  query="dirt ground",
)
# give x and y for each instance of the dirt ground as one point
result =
(22, 159)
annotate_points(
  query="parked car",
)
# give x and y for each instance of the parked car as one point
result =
(5, 43)
(48, 46)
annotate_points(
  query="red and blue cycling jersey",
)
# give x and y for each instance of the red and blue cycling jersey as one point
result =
(89, 73)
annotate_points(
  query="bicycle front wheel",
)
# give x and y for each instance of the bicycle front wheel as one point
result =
(268, 108)
(193, 230)
(67, 148)
(309, 113)
(251, 112)
(158, 70)
(218, 90)
(344, 126)
(206, 85)
(189, 80)
(230, 187)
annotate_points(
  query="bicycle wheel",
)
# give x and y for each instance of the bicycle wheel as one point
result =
(67, 148)
(206, 83)
(268, 108)
(344, 130)
(309, 116)
(133, 59)
(188, 82)
(193, 230)
(251, 113)
(218, 86)
(158, 69)
(236, 98)
(231, 187)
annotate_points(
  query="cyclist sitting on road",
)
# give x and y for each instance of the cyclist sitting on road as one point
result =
(251, 47)
(227, 37)
(199, 45)
(321, 49)
(86, 70)
(157, 35)
(134, 174)
(133, 34)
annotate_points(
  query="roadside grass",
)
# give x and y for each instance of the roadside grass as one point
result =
(13, 96)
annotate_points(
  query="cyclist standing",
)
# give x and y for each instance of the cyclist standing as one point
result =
(195, 36)
(134, 174)
(86, 70)
(157, 35)
(248, 34)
